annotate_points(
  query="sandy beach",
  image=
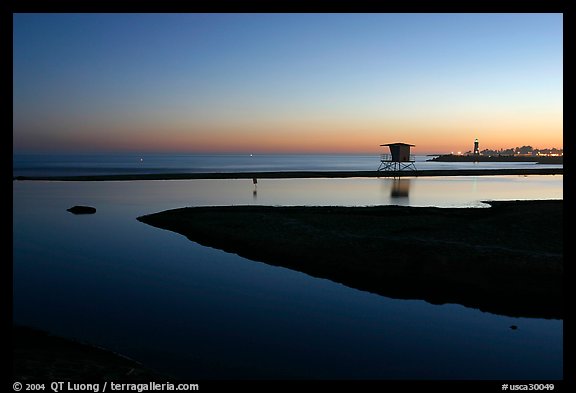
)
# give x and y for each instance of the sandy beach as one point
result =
(506, 259)
(301, 174)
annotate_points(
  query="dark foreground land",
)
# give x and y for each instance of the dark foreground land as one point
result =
(38, 355)
(506, 259)
(301, 174)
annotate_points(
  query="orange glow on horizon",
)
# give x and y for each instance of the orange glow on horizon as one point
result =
(298, 137)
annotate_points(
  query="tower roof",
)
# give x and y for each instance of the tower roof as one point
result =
(397, 143)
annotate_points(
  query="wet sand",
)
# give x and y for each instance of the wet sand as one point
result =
(506, 259)
(301, 174)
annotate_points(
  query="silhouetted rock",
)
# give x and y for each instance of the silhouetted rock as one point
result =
(82, 210)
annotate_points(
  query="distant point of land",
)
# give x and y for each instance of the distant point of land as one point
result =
(556, 160)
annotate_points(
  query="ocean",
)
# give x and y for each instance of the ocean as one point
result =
(131, 163)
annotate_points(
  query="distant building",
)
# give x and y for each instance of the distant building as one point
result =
(550, 152)
(528, 151)
(476, 147)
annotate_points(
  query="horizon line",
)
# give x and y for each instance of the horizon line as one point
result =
(241, 152)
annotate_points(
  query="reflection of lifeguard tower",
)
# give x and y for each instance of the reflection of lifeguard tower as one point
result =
(400, 188)
(398, 159)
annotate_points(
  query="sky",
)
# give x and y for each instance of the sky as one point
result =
(286, 83)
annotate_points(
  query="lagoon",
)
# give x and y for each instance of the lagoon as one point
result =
(197, 312)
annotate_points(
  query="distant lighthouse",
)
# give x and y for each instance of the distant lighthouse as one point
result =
(476, 148)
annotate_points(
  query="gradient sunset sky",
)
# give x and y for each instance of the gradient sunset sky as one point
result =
(260, 83)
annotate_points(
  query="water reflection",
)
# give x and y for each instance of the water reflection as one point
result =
(395, 191)
(400, 188)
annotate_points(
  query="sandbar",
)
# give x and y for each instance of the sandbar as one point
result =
(506, 259)
(300, 174)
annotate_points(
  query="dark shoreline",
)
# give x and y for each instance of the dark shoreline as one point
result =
(555, 160)
(507, 259)
(39, 355)
(300, 174)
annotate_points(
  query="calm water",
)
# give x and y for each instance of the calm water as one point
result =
(107, 164)
(196, 312)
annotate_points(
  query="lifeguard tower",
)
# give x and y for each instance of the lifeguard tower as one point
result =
(398, 159)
